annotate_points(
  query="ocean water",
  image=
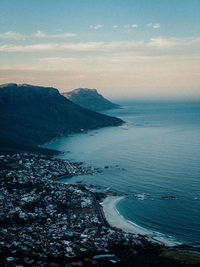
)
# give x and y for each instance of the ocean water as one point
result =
(153, 156)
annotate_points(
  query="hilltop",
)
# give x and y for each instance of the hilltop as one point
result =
(32, 115)
(90, 99)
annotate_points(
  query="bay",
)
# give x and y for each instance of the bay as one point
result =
(153, 157)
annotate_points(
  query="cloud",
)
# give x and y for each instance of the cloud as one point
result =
(13, 35)
(96, 27)
(188, 45)
(156, 26)
(63, 35)
(39, 34)
(115, 26)
(174, 42)
(163, 42)
(162, 61)
(128, 26)
(27, 68)
(78, 47)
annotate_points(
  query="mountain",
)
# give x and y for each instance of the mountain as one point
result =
(32, 115)
(90, 99)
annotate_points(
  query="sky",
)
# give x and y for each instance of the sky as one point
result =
(123, 48)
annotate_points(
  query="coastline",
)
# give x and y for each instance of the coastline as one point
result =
(116, 220)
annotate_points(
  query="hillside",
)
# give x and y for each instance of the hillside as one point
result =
(90, 99)
(32, 115)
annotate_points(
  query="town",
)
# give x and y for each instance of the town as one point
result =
(44, 222)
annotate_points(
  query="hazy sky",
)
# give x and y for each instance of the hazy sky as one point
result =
(129, 48)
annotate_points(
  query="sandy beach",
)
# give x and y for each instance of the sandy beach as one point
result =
(116, 220)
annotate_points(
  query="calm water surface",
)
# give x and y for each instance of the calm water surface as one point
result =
(155, 154)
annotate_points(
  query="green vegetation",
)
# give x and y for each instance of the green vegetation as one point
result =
(183, 257)
(9, 166)
(12, 166)
(83, 211)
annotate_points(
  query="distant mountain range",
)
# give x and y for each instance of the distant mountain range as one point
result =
(32, 115)
(90, 99)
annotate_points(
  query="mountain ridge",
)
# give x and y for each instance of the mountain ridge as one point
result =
(90, 99)
(32, 115)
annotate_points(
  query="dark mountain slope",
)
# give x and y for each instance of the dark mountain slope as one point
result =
(31, 115)
(89, 98)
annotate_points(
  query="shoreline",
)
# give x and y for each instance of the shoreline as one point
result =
(116, 220)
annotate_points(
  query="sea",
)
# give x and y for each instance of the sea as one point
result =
(153, 158)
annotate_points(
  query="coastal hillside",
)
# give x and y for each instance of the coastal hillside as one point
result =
(90, 99)
(32, 115)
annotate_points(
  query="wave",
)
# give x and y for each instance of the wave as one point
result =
(166, 239)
